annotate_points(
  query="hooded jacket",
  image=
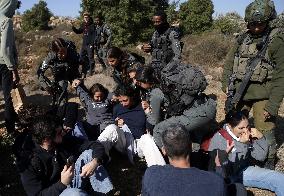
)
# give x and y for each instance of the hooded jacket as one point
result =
(8, 52)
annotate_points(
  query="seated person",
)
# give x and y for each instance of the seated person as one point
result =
(120, 61)
(153, 99)
(47, 171)
(98, 105)
(179, 178)
(63, 61)
(246, 149)
(129, 131)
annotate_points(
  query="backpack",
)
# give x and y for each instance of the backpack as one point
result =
(181, 84)
(206, 141)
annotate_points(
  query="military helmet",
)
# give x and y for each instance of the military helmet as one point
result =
(260, 11)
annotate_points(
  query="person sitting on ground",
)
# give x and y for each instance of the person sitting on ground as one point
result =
(120, 61)
(129, 131)
(47, 171)
(63, 61)
(179, 178)
(153, 99)
(246, 148)
(98, 105)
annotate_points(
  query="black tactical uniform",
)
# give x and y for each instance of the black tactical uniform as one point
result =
(103, 37)
(182, 86)
(63, 71)
(87, 50)
(166, 47)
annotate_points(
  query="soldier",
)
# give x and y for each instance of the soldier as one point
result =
(103, 36)
(253, 74)
(87, 50)
(165, 44)
(63, 61)
(182, 87)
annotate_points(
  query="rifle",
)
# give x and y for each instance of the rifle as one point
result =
(57, 92)
(233, 96)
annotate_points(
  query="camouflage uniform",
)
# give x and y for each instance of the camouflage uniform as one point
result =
(265, 90)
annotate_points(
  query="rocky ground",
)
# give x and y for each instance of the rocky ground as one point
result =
(126, 178)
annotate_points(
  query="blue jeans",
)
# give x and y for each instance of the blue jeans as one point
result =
(73, 192)
(262, 178)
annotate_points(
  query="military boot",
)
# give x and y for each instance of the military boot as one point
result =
(271, 158)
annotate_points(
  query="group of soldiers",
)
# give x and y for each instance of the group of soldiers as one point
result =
(252, 79)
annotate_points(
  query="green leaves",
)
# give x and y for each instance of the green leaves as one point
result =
(130, 20)
(196, 15)
(37, 17)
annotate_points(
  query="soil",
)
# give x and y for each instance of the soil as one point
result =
(126, 177)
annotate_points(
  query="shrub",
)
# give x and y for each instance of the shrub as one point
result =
(207, 49)
(129, 20)
(229, 24)
(196, 15)
(37, 17)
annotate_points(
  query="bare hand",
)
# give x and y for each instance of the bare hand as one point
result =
(266, 115)
(16, 77)
(89, 168)
(145, 105)
(146, 48)
(255, 133)
(114, 98)
(67, 175)
(217, 160)
(244, 136)
(230, 146)
(76, 83)
(120, 122)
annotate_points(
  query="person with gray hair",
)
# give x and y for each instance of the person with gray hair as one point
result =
(179, 178)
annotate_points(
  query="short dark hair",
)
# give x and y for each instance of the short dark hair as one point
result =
(233, 118)
(115, 52)
(147, 75)
(97, 87)
(176, 141)
(126, 90)
(162, 14)
(44, 127)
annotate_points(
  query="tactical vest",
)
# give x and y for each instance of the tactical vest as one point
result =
(246, 51)
(161, 44)
(101, 37)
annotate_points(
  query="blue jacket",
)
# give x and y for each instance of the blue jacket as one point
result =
(133, 117)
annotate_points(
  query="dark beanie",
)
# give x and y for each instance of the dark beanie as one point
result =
(71, 114)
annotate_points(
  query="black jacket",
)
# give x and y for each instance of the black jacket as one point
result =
(42, 174)
(88, 31)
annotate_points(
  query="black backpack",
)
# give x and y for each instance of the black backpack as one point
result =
(181, 83)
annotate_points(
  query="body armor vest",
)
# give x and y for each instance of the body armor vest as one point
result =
(247, 50)
(162, 50)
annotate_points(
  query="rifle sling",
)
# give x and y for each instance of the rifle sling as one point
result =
(249, 71)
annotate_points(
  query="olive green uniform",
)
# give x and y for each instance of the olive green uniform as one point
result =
(265, 90)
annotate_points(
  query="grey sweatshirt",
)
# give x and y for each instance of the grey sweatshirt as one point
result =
(97, 113)
(258, 149)
(8, 52)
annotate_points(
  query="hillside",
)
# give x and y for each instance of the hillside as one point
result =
(208, 51)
